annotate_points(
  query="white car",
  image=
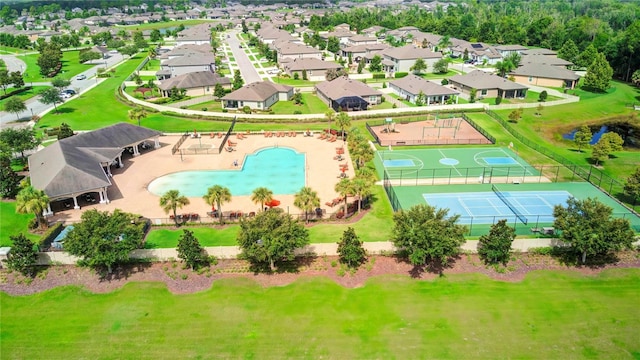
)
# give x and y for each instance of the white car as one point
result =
(81, 77)
(273, 72)
(65, 95)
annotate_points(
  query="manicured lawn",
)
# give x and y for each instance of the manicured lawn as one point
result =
(25, 95)
(70, 67)
(165, 238)
(152, 65)
(214, 105)
(381, 106)
(13, 224)
(408, 103)
(431, 75)
(547, 129)
(13, 50)
(162, 25)
(311, 104)
(549, 315)
(293, 82)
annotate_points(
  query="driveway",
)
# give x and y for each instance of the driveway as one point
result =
(248, 71)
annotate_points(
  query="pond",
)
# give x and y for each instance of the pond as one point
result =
(594, 139)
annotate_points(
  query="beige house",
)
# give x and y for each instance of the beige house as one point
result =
(545, 75)
(487, 85)
(316, 69)
(296, 51)
(257, 96)
(401, 59)
(411, 86)
(196, 83)
(192, 62)
(344, 94)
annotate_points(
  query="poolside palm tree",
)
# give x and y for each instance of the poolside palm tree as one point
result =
(330, 115)
(361, 187)
(343, 121)
(306, 200)
(137, 114)
(171, 201)
(32, 201)
(344, 188)
(153, 52)
(261, 195)
(217, 195)
(361, 153)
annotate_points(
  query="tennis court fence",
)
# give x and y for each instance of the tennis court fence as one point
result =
(475, 175)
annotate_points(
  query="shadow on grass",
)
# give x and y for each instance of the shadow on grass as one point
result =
(571, 258)
(64, 110)
(432, 266)
(124, 271)
(283, 267)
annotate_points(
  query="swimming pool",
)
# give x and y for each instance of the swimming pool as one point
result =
(281, 170)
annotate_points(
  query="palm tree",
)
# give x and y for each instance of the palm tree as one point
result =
(32, 201)
(171, 201)
(152, 52)
(137, 114)
(444, 43)
(344, 189)
(306, 200)
(343, 121)
(217, 195)
(261, 195)
(330, 114)
(361, 153)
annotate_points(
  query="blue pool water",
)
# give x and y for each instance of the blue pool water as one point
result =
(398, 163)
(500, 161)
(281, 170)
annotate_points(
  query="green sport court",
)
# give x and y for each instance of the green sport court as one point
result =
(525, 206)
(476, 165)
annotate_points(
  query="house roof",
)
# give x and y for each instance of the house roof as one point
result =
(481, 80)
(410, 52)
(344, 87)
(414, 84)
(364, 48)
(359, 38)
(73, 165)
(544, 59)
(289, 48)
(257, 91)
(190, 60)
(311, 64)
(540, 51)
(194, 80)
(511, 48)
(185, 49)
(545, 71)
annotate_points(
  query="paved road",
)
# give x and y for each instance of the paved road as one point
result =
(35, 107)
(248, 71)
(13, 63)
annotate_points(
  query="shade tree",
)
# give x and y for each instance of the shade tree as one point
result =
(589, 228)
(495, 246)
(23, 255)
(190, 251)
(350, 249)
(270, 237)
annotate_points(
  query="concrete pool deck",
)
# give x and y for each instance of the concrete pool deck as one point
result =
(129, 190)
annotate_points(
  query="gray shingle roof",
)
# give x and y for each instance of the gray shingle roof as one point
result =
(257, 91)
(545, 71)
(410, 52)
(343, 86)
(414, 84)
(73, 165)
(544, 59)
(193, 80)
(190, 60)
(311, 64)
(481, 80)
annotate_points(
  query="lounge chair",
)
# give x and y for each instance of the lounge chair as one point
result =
(293, 133)
(219, 135)
(212, 135)
(322, 136)
(231, 143)
(330, 203)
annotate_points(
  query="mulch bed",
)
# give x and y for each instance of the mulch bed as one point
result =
(180, 281)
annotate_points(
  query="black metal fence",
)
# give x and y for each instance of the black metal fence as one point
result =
(609, 185)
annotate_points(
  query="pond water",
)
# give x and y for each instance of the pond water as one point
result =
(594, 139)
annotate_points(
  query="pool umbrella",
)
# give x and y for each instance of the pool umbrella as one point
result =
(272, 203)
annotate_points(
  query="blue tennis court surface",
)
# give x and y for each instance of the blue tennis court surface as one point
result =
(487, 208)
(500, 161)
(398, 163)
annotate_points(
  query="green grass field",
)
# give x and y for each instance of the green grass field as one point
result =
(13, 224)
(549, 315)
(311, 104)
(25, 95)
(70, 67)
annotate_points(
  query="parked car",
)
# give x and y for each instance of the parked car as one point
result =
(81, 77)
(65, 95)
(69, 91)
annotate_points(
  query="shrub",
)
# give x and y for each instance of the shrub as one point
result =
(204, 109)
(444, 82)
(225, 110)
(297, 112)
(384, 84)
(498, 100)
(400, 74)
(246, 109)
(394, 106)
(379, 76)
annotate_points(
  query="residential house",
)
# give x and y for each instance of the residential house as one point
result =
(480, 52)
(361, 40)
(411, 86)
(544, 59)
(342, 35)
(316, 69)
(401, 59)
(426, 40)
(186, 64)
(540, 51)
(344, 94)
(506, 50)
(487, 85)
(195, 83)
(183, 50)
(545, 75)
(374, 31)
(285, 49)
(402, 33)
(270, 35)
(257, 96)
(359, 52)
(198, 35)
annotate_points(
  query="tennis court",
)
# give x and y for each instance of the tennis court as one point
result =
(474, 165)
(525, 206)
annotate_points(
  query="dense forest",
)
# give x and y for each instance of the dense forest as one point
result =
(611, 26)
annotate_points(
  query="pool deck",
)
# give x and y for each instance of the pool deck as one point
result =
(129, 190)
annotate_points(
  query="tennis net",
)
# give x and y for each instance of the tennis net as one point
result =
(520, 217)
